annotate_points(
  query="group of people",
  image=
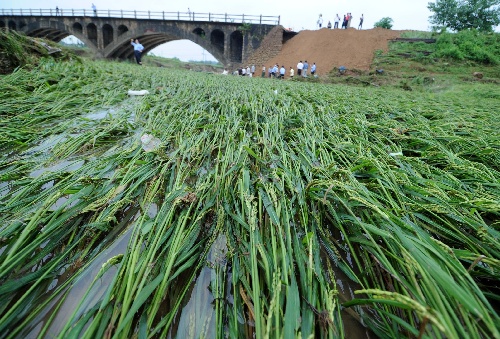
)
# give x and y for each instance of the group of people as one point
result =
(249, 71)
(346, 22)
(276, 71)
(303, 68)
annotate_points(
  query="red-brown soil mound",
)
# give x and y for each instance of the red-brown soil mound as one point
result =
(330, 48)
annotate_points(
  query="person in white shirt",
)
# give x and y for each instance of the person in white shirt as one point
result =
(282, 72)
(320, 21)
(300, 65)
(337, 20)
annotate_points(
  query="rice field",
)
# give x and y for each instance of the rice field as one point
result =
(266, 208)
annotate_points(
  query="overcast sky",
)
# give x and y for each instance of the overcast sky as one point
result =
(407, 14)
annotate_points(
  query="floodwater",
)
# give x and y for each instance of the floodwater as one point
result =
(73, 295)
(352, 321)
(198, 316)
(66, 165)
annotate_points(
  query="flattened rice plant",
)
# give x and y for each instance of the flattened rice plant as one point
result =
(257, 215)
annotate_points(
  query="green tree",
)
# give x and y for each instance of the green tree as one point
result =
(384, 23)
(458, 15)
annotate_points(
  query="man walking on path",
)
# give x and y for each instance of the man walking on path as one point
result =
(94, 9)
(313, 68)
(138, 48)
(337, 20)
(282, 72)
(300, 65)
(360, 26)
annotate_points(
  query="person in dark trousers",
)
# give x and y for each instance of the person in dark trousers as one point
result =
(94, 8)
(360, 26)
(138, 48)
(57, 10)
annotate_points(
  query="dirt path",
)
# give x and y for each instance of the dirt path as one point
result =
(333, 48)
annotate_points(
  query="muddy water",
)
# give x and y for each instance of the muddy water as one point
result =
(198, 316)
(352, 321)
(66, 165)
(72, 295)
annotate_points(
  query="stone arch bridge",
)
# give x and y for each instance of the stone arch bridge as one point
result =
(229, 38)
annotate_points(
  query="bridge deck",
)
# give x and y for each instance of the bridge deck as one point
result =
(181, 16)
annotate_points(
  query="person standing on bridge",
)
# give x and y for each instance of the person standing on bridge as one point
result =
(138, 48)
(94, 8)
(57, 10)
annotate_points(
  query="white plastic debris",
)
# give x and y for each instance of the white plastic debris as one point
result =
(275, 91)
(150, 142)
(143, 92)
(395, 154)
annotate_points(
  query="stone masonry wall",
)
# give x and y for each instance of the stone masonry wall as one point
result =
(269, 48)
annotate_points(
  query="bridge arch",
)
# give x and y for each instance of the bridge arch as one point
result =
(122, 29)
(78, 28)
(199, 31)
(107, 34)
(217, 39)
(92, 33)
(55, 31)
(2, 24)
(236, 46)
(161, 34)
(12, 25)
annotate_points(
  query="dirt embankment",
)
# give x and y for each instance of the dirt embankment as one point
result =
(330, 48)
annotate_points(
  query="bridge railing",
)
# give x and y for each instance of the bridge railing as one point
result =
(183, 16)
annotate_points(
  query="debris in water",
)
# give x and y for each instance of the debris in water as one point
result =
(150, 142)
(143, 92)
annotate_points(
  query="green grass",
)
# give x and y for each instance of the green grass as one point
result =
(257, 213)
(431, 67)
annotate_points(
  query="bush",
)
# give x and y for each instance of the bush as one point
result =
(469, 45)
(384, 23)
(450, 52)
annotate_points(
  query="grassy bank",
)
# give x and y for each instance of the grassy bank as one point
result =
(450, 61)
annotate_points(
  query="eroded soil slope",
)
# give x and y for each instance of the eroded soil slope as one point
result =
(329, 48)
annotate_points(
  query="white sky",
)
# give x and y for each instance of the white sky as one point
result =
(407, 14)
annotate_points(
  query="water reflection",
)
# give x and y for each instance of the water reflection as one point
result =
(198, 316)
